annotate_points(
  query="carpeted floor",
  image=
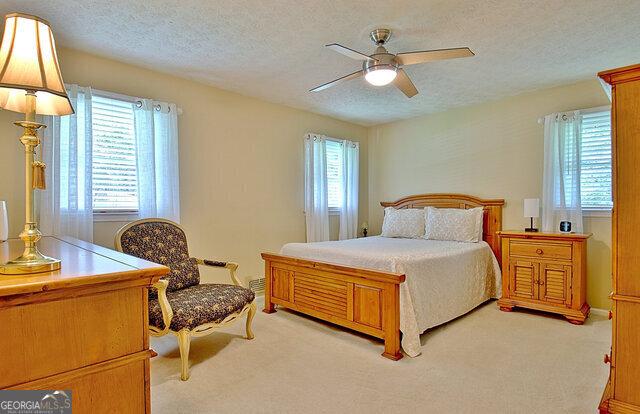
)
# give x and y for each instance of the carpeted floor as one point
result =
(484, 362)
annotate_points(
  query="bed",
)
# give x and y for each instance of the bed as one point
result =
(384, 286)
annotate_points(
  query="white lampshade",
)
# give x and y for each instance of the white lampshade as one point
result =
(532, 207)
(28, 61)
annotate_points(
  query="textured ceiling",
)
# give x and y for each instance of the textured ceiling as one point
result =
(273, 49)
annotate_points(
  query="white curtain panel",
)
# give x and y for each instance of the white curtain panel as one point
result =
(156, 128)
(349, 209)
(66, 206)
(316, 197)
(561, 177)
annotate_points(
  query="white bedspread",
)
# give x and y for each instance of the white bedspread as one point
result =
(443, 279)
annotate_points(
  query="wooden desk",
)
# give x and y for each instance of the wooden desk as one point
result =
(83, 328)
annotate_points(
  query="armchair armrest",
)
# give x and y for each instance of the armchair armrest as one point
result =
(167, 312)
(232, 266)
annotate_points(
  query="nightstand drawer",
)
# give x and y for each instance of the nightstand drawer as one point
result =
(541, 250)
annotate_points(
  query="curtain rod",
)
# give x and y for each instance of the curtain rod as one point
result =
(584, 111)
(338, 140)
(122, 97)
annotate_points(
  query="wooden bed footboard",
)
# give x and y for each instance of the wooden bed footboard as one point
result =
(364, 300)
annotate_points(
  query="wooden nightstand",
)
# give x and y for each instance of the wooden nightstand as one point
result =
(545, 271)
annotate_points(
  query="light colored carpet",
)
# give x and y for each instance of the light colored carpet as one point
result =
(484, 362)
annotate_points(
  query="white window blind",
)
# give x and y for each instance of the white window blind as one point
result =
(115, 182)
(595, 161)
(334, 173)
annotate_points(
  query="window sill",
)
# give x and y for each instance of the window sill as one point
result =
(115, 216)
(596, 213)
(334, 211)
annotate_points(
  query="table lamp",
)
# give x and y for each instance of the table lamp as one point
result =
(531, 210)
(30, 83)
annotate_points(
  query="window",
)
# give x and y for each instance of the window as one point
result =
(334, 174)
(115, 181)
(595, 160)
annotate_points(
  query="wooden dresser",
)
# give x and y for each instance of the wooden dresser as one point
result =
(83, 328)
(622, 394)
(545, 271)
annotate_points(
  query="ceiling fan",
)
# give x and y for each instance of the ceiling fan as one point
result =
(382, 68)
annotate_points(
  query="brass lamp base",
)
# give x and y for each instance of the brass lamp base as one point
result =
(28, 265)
(31, 261)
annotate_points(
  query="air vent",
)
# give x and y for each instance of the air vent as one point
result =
(257, 285)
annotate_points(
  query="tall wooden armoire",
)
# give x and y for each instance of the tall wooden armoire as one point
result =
(622, 394)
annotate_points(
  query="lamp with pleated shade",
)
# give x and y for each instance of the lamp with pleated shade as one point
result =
(31, 83)
(29, 62)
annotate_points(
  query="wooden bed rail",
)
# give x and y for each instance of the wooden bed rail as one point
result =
(364, 300)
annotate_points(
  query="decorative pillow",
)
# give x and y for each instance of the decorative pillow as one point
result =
(453, 224)
(407, 223)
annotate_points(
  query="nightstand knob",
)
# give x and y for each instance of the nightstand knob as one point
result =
(607, 359)
(539, 251)
(610, 315)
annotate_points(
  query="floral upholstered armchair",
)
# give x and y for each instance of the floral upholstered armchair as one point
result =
(179, 303)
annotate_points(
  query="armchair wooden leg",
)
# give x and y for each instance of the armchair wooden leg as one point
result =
(250, 315)
(184, 342)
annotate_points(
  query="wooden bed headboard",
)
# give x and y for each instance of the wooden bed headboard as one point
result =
(492, 219)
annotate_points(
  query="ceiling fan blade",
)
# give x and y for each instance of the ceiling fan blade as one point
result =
(337, 81)
(403, 83)
(353, 54)
(411, 58)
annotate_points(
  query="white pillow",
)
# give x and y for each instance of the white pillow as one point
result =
(453, 224)
(480, 225)
(407, 223)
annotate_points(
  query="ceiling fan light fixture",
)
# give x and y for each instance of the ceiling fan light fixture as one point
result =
(382, 68)
(381, 76)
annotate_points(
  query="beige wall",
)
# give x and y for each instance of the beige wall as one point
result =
(492, 150)
(241, 162)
